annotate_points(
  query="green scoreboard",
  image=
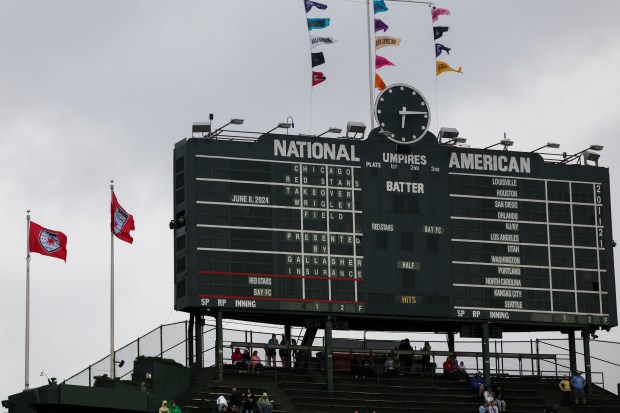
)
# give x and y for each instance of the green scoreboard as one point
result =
(374, 229)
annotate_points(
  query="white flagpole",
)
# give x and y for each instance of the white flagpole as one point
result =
(112, 367)
(371, 85)
(27, 349)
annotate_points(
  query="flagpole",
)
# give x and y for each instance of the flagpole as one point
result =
(27, 344)
(112, 369)
(371, 86)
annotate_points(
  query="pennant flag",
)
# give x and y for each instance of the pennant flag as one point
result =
(309, 5)
(444, 67)
(439, 48)
(317, 77)
(379, 83)
(317, 59)
(439, 31)
(437, 11)
(379, 25)
(317, 41)
(383, 41)
(121, 222)
(47, 242)
(319, 23)
(380, 6)
(381, 61)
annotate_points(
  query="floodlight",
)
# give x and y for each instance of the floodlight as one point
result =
(282, 125)
(551, 145)
(330, 130)
(354, 128)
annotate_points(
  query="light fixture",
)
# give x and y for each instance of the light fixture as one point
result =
(355, 128)
(330, 130)
(282, 125)
(447, 133)
(587, 155)
(120, 363)
(454, 141)
(506, 142)
(201, 127)
(235, 121)
(551, 145)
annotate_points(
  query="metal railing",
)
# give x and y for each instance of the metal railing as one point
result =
(519, 358)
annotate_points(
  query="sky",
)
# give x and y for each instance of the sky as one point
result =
(92, 91)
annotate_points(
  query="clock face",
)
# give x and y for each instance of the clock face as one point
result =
(402, 110)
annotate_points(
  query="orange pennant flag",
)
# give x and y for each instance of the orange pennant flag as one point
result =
(379, 83)
(444, 67)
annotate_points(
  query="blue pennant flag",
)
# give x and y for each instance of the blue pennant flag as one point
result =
(309, 4)
(319, 23)
(379, 6)
(439, 48)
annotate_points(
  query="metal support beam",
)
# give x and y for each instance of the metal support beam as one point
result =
(572, 352)
(329, 365)
(190, 341)
(198, 327)
(585, 335)
(219, 347)
(486, 359)
(451, 341)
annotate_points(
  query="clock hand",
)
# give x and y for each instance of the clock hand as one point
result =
(404, 112)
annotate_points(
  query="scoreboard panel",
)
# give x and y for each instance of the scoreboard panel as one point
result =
(372, 228)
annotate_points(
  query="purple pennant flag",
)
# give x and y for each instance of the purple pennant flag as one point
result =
(381, 61)
(379, 25)
(309, 5)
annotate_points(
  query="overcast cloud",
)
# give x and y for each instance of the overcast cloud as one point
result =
(92, 91)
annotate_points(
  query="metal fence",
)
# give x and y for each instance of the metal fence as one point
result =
(170, 341)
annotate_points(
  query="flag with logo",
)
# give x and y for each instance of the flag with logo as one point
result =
(122, 222)
(47, 242)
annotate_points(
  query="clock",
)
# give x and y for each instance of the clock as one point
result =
(402, 111)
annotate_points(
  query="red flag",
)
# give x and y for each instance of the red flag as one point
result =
(47, 242)
(317, 77)
(121, 222)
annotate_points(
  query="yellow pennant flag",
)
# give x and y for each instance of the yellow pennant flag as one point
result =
(444, 67)
(383, 41)
(379, 83)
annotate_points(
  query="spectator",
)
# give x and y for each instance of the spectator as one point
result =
(492, 407)
(578, 382)
(254, 362)
(499, 398)
(237, 358)
(489, 396)
(366, 369)
(285, 352)
(222, 404)
(271, 352)
(174, 408)
(247, 359)
(426, 359)
(462, 372)
(264, 405)
(478, 384)
(389, 367)
(565, 390)
(294, 353)
(552, 409)
(164, 407)
(448, 367)
(236, 400)
(248, 402)
(483, 407)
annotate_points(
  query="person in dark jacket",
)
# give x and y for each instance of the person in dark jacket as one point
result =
(249, 402)
(236, 400)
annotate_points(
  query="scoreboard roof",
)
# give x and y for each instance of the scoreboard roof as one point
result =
(380, 234)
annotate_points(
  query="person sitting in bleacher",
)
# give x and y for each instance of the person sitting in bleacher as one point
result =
(236, 400)
(389, 367)
(222, 404)
(264, 404)
(366, 369)
(448, 368)
(237, 358)
(478, 384)
(499, 398)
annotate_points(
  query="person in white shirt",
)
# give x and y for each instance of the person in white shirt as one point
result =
(222, 404)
